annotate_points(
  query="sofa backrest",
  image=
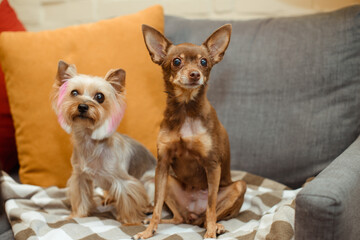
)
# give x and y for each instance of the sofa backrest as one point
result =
(287, 90)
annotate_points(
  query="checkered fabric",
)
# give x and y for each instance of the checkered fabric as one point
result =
(41, 213)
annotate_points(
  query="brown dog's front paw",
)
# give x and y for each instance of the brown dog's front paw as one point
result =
(144, 235)
(212, 232)
(220, 229)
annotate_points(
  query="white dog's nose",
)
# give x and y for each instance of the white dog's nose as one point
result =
(83, 108)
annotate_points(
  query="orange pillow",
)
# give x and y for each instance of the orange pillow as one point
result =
(29, 61)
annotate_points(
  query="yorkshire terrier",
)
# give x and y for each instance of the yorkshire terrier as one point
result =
(90, 109)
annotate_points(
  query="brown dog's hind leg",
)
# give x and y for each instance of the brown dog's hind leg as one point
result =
(230, 200)
(228, 204)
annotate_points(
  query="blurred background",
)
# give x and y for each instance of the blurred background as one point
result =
(39, 15)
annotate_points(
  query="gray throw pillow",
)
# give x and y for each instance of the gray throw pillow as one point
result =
(287, 90)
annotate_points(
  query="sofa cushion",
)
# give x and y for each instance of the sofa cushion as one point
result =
(29, 61)
(287, 90)
(8, 153)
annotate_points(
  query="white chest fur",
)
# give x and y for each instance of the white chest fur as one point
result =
(192, 128)
(192, 131)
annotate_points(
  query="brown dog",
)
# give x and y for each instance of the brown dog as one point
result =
(193, 170)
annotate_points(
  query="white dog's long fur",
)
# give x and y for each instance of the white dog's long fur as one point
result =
(116, 163)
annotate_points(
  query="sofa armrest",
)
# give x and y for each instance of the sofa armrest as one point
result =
(5, 228)
(328, 207)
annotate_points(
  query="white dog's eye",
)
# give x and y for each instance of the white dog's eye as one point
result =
(99, 97)
(74, 93)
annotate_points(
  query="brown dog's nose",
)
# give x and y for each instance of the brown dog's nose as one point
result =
(83, 108)
(194, 76)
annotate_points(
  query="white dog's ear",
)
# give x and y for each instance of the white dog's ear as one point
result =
(156, 44)
(218, 42)
(117, 79)
(65, 72)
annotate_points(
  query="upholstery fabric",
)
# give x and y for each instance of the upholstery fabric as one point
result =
(287, 90)
(328, 207)
(29, 61)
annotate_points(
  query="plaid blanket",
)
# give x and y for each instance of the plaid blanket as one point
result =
(41, 213)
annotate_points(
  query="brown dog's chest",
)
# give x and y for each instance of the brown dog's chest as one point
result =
(187, 149)
(189, 171)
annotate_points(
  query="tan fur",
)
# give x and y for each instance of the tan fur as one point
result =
(185, 96)
(193, 170)
(116, 163)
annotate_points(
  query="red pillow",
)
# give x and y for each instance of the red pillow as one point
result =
(8, 153)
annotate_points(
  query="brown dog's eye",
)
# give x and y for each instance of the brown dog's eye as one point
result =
(74, 93)
(99, 97)
(203, 62)
(176, 62)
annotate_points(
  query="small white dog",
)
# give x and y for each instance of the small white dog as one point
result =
(91, 108)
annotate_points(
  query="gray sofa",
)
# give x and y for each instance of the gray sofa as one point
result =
(288, 92)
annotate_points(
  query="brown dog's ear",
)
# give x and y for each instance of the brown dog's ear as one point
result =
(65, 72)
(117, 79)
(218, 42)
(156, 43)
